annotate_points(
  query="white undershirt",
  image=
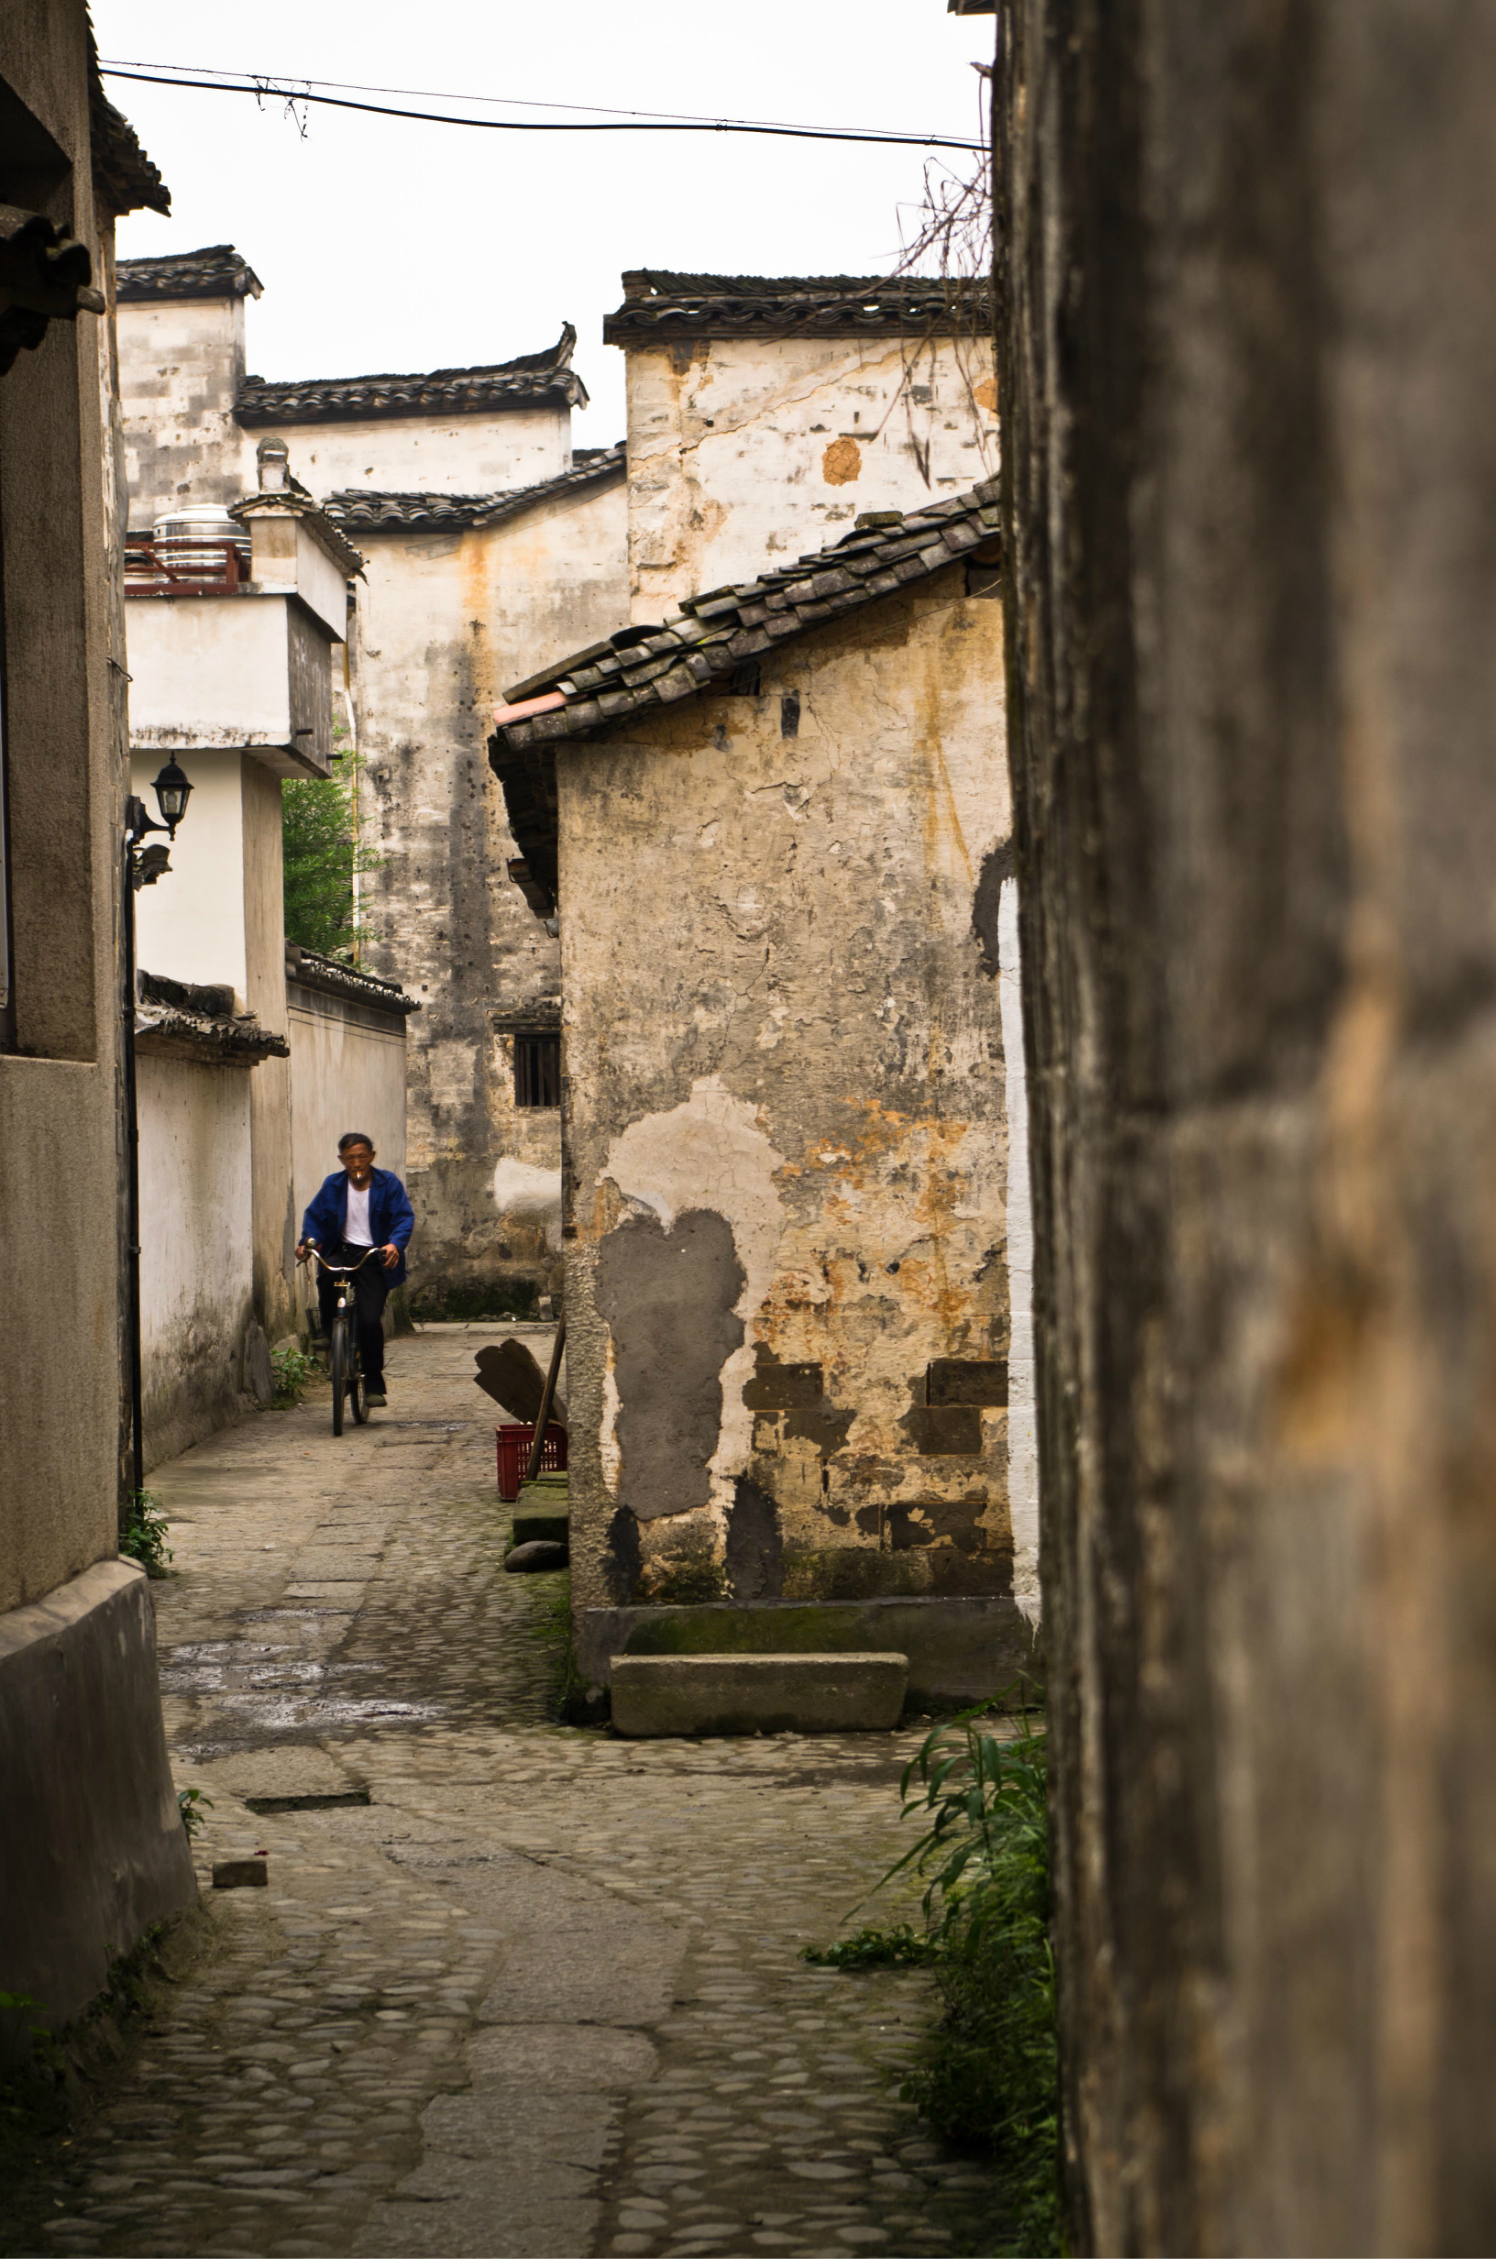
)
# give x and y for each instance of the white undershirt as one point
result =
(356, 1225)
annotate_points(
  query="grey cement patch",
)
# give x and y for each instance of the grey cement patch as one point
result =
(667, 1297)
(568, 2055)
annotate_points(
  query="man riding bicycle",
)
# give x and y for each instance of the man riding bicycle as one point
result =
(360, 1209)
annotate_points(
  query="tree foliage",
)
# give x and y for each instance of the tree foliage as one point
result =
(322, 855)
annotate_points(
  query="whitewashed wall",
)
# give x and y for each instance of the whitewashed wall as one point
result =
(443, 624)
(196, 1247)
(344, 1075)
(746, 452)
(181, 364)
(477, 454)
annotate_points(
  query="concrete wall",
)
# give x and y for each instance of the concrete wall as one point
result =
(90, 1852)
(181, 363)
(197, 1247)
(1246, 369)
(444, 623)
(788, 1294)
(216, 671)
(746, 452)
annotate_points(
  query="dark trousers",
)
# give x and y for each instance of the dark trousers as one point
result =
(370, 1287)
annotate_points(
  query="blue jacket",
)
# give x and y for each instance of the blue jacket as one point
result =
(391, 1216)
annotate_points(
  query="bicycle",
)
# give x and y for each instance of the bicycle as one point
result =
(343, 1342)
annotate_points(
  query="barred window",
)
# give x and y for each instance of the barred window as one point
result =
(537, 1070)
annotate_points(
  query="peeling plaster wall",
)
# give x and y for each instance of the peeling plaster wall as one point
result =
(788, 1291)
(746, 451)
(443, 623)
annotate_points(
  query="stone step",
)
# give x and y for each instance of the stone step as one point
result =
(655, 1695)
(546, 1521)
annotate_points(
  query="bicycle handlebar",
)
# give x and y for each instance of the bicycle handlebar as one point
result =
(339, 1270)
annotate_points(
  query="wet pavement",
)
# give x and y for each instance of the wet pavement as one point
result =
(513, 1987)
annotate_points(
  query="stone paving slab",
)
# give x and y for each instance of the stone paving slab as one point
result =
(541, 1994)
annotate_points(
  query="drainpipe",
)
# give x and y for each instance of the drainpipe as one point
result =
(132, 1171)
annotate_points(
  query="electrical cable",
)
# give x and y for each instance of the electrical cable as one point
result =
(270, 89)
(185, 74)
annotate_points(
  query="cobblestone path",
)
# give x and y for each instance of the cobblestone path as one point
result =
(513, 1988)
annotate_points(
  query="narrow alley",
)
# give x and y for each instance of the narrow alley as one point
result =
(513, 1987)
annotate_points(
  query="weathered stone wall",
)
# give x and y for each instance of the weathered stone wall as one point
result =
(747, 452)
(444, 623)
(181, 363)
(1245, 362)
(787, 1288)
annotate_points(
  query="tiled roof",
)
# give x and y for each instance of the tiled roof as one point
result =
(368, 509)
(218, 271)
(663, 305)
(188, 1019)
(642, 667)
(313, 970)
(534, 380)
(123, 174)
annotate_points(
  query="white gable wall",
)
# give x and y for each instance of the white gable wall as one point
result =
(749, 451)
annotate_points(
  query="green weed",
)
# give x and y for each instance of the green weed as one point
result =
(987, 2076)
(873, 1949)
(188, 1800)
(292, 1369)
(143, 1533)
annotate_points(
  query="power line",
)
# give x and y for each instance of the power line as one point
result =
(187, 74)
(277, 91)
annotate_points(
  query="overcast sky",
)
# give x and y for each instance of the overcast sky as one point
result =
(396, 246)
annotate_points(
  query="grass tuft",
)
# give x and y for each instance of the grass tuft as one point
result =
(987, 2074)
(143, 1534)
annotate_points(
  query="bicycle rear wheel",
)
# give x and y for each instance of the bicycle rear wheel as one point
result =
(356, 1404)
(338, 1367)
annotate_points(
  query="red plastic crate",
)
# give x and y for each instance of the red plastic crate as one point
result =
(514, 1440)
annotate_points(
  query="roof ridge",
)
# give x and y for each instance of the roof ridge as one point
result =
(370, 507)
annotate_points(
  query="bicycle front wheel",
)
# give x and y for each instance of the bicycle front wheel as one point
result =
(356, 1404)
(338, 1366)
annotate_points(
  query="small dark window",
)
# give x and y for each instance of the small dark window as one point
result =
(744, 681)
(790, 714)
(984, 579)
(537, 1070)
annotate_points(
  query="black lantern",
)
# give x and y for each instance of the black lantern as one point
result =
(172, 790)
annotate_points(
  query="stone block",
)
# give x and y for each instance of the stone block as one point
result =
(961, 1649)
(741, 1694)
(550, 1522)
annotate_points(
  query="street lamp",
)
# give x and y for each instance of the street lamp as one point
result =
(142, 866)
(173, 790)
